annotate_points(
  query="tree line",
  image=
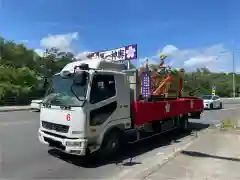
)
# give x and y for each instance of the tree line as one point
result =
(202, 81)
(24, 74)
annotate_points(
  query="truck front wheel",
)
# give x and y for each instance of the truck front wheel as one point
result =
(111, 144)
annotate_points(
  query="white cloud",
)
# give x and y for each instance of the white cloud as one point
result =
(190, 59)
(168, 50)
(61, 41)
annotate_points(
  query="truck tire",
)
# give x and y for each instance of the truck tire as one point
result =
(156, 126)
(111, 144)
(184, 124)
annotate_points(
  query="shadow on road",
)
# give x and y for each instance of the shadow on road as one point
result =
(125, 158)
(204, 155)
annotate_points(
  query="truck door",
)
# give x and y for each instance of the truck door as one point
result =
(103, 105)
(123, 95)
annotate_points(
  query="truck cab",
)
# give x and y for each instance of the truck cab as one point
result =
(88, 102)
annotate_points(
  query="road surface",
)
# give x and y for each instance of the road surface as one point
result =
(23, 157)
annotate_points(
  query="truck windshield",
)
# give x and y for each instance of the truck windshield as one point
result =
(207, 97)
(63, 93)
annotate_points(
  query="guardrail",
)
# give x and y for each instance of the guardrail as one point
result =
(13, 101)
(231, 100)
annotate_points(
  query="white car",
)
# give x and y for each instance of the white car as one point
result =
(212, 102)
(36, 104)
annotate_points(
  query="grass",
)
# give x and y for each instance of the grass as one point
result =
(228, 123)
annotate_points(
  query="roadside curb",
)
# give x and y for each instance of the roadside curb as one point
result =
(143, 172)
(17, 109)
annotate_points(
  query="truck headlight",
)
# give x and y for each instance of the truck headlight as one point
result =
(73, 143)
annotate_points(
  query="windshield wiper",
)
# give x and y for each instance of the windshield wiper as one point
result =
(48, 100)
(72, 91)
(65, 107)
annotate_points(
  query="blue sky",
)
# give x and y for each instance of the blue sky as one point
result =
(193, 33)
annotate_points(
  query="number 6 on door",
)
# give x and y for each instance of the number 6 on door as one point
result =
(68, 117)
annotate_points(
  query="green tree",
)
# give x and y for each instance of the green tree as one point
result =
(22, 70)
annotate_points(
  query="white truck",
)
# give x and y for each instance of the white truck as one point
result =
(94, 104)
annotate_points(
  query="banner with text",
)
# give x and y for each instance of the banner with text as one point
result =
(128, 52)
(146, 84)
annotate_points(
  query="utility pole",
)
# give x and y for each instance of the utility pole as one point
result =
(233, 76)
(233, 69)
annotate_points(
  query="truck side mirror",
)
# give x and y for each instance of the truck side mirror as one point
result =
(80, 78)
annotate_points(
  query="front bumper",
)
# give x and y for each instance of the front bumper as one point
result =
(62, 143)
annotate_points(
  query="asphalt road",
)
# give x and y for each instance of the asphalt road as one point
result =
(23, 157)
(229, 111)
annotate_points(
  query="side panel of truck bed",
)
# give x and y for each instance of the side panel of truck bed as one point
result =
(144, 112)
